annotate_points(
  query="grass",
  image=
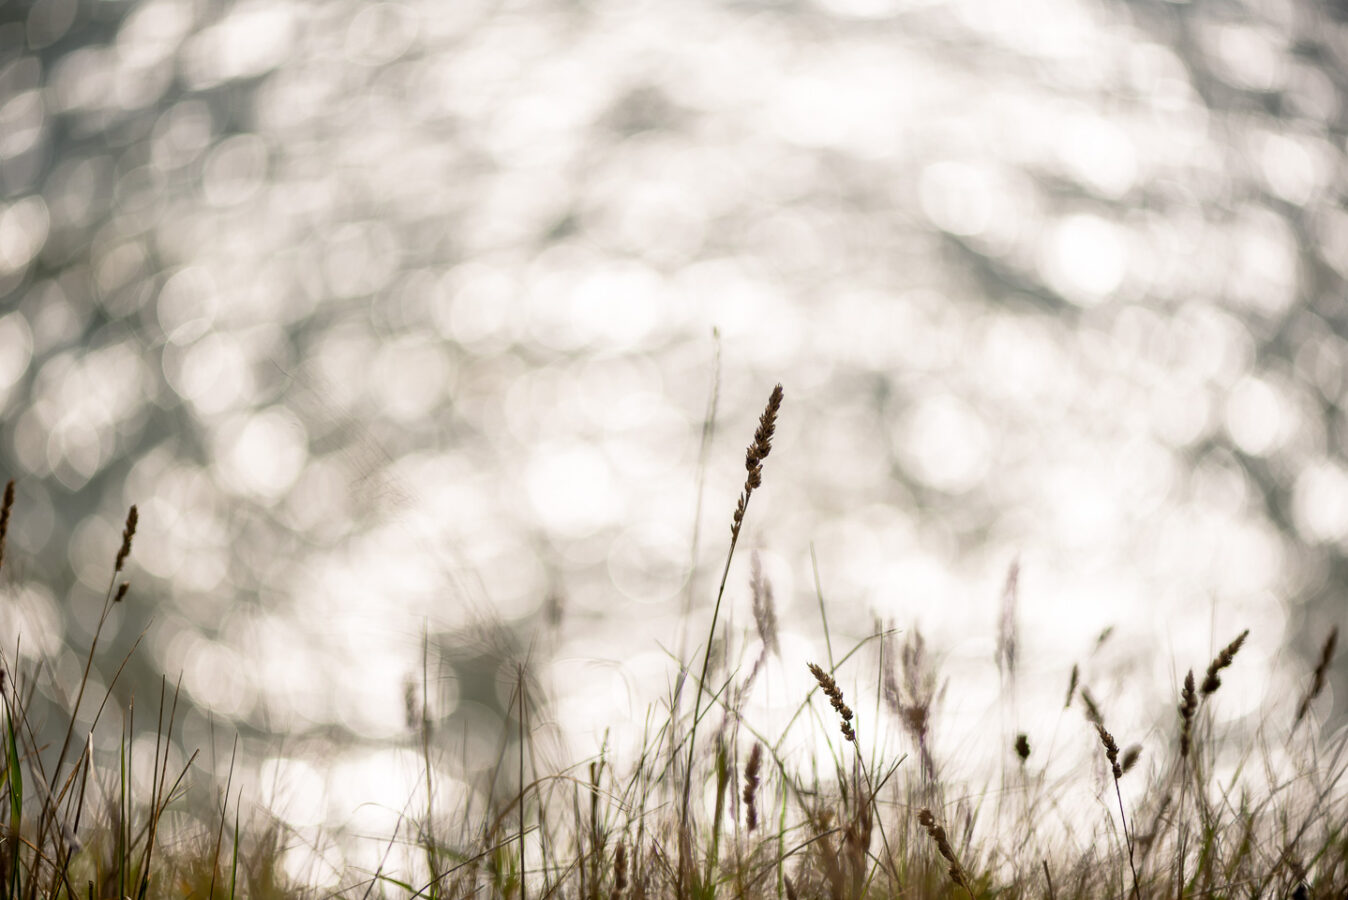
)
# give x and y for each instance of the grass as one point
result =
(834, 805)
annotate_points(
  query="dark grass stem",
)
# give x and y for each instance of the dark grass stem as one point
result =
(5, 509)
(753, 462)
(1116, 769)
(1318, 676)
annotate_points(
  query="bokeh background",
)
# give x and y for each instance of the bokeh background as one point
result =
(401, 323)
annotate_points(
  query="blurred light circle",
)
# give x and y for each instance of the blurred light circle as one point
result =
(234, 170)
(320, 865)
(79, 80)
(1320, 502)
(16, 349)
(956, 197)
(618, 306)
(1100, 153)
(1264, 262)
(23, 232)
(945, 444)
(380, 33)
(870, 9)
(649, 565)
(1249, 561)
(360, 258)
(473, 306)
(571, 488)
(217, 676)
(49, 20)
(591, 711)
(187, 305)
(212, 374)
(293, 791)
(1082, 506)
(1293, 167)
(119, 266)
(409, 377)
(30, 613)
(182, 133)
(1247, 56)
(91, 551)
(263, 454)
(76, 450)
(250, 38)
(1256, 416)
(75, 190)
(1085, 259)
(838, 101)
(152, 32)
(21, 123)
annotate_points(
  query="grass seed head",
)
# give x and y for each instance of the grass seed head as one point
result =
(1211, 681)
(4, 517)
(914, 700)
(938, 836)
(1318, 677)
(1130, 757)
(1072, 685)
(751, 786)
(129, 532)
(767, 426)
(754, 456)
(1111, 750)
(889, 677)
(765, 608)
(1092, 709)
(835, 697)
(411, 704)
(619, 871)
(1187, 708)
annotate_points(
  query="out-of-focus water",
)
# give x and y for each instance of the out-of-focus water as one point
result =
(398, 318)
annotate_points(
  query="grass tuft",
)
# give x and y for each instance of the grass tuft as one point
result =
(1227, 811)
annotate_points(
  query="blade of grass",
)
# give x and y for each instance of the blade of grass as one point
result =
(14, 774)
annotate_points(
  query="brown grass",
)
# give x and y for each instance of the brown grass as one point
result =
(1318, 677)
(942, 842)
(1211, 681)
(128, 532)
(835, 698)
(4, 517)
(754, 456)
(751, 787)
(1187, 708)
(851, 824)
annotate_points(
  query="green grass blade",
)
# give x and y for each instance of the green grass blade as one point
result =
(14, 774)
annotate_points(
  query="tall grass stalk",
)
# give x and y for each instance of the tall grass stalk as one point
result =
(753, 463)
